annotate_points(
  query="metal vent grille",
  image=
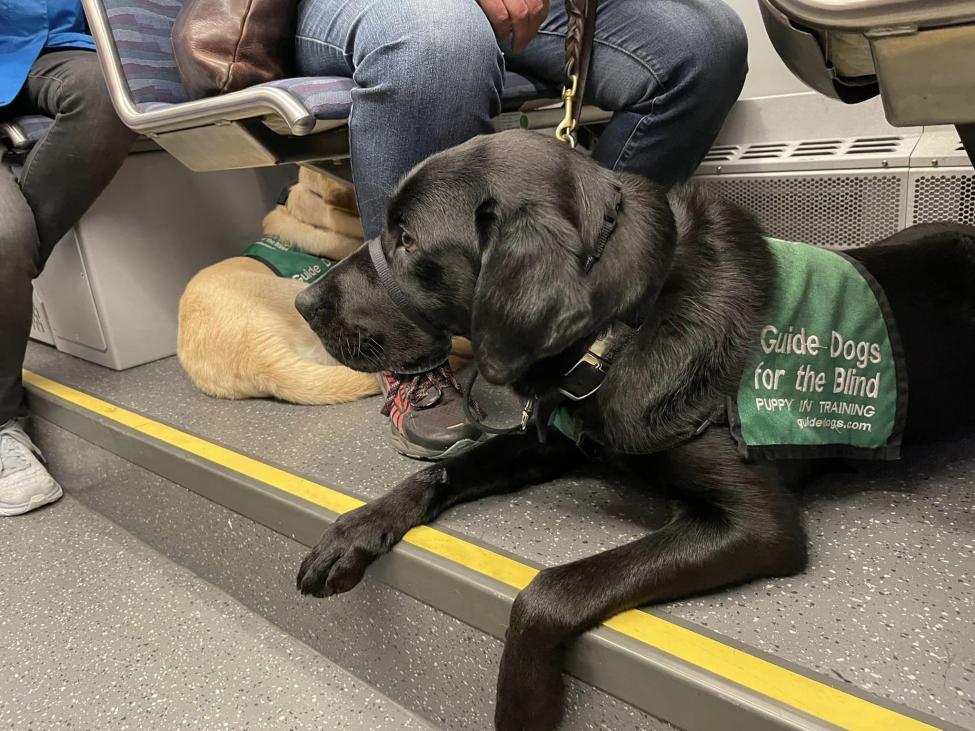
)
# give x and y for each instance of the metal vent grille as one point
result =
(836, 211)
(722, 153)
(944, 198)
(767, 151)
(807, 149)
(870, 145)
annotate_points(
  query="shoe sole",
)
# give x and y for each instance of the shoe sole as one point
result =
(35, 502)
(415, 451)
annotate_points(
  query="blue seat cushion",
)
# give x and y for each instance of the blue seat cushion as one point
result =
(330, 97)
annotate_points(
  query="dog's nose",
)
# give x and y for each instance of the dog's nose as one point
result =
(307, 304)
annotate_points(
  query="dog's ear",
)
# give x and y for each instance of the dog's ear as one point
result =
(531, 300)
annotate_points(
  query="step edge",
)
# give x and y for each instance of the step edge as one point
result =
(604, 658)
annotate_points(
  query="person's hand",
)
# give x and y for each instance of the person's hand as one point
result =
(518, 20)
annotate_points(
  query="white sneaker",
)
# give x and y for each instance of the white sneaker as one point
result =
(24, 483)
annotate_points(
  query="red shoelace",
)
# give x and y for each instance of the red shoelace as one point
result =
(412, 389)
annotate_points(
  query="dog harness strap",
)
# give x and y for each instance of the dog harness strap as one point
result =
(605, 231)
(286, 261)
(395, 292)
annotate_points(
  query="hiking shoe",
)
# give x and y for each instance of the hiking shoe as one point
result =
(24, 483)
(426, 414)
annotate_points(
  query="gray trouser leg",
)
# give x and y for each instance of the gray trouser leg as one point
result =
(62, 176)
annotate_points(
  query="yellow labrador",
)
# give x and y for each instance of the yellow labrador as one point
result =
(239, 333)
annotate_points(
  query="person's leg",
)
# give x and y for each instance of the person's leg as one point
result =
(19, 252)
(24, 483)
(63, 174)
(429, 76)
(71, 165)
(670, 69)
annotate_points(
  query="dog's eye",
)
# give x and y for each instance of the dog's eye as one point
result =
(407, 241)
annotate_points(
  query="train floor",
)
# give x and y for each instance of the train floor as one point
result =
(884, 612)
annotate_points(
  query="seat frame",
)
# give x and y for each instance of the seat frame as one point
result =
(908, 38)
(254, 127)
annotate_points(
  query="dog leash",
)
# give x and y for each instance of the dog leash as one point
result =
(575, 72)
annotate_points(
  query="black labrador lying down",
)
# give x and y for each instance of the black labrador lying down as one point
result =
(490, 240)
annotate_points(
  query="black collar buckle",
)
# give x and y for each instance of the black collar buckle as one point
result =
(584, 378)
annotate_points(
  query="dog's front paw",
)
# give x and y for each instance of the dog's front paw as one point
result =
(343, 554)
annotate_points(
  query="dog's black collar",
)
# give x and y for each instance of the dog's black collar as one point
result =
(584, 378)
(396, 292)
(399, 297)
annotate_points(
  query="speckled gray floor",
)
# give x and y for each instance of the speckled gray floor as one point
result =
(887, 602)
(438, 667)
(98, 631)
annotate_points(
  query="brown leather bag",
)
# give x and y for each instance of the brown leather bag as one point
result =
(226, 45)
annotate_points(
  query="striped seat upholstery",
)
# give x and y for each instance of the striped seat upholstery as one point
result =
(142, 31)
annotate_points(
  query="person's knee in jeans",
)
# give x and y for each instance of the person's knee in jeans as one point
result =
(714, 74)
(429, 76)
(679, 91)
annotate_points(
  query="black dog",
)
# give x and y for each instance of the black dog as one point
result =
(486, 240)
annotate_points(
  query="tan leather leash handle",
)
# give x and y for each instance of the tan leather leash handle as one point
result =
(578, 54)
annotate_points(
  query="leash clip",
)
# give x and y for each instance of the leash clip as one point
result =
(566, 131)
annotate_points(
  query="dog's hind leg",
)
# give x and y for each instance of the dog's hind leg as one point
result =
(733, 525)
(359, 537)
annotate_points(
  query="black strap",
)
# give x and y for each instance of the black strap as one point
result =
(471, 418)
(609, 225)
(396, 292)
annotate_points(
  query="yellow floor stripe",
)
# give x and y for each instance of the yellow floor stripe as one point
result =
(779, 683)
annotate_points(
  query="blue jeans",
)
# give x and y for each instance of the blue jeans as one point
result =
(430, 76)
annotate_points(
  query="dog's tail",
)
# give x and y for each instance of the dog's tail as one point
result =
(302, 381)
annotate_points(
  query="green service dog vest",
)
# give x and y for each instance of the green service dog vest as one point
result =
(286, 261)
(827, 376)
